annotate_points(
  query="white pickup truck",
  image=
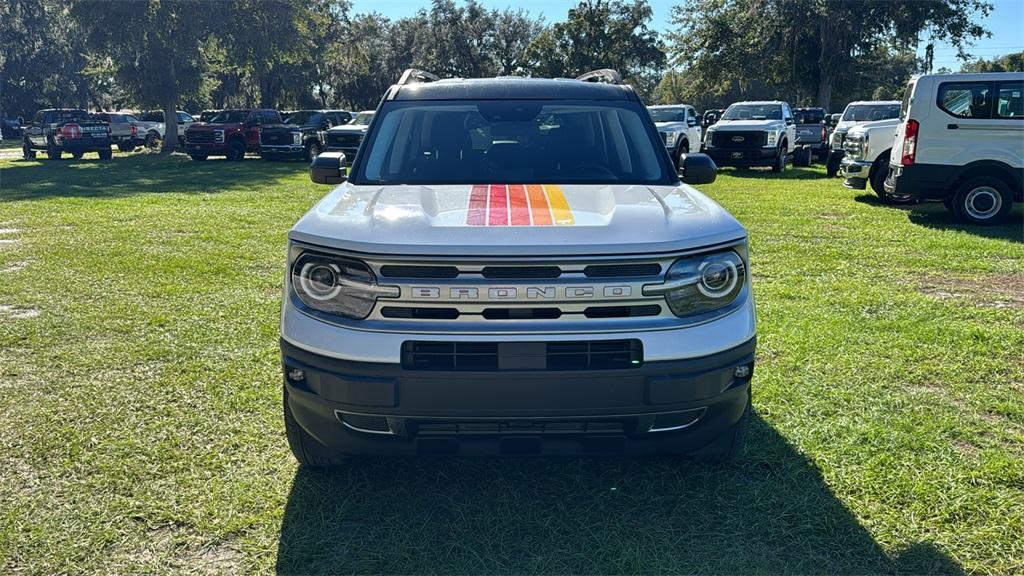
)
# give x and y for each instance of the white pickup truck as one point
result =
(679, 127)
(151, 127)
(514, 266)
(866, 150)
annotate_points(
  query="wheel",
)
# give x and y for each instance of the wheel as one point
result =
(730, 444)
(982, 200)
(832, 165)
(236, 151)
(947, 202)
(53, 152)
(77, 155)
(126, 146)
(309, 452)
(198, 157)
(822, 154)
(802, 156)
(106, 154)
(152, 141)
(780, 162)
(879, 174)
(27, 152)
(313, 150)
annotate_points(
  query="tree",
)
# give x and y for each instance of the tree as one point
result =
(153, 48)
(808, 47)
(1008, 63)
(602, 34)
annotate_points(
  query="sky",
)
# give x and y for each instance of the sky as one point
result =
(1006, 22)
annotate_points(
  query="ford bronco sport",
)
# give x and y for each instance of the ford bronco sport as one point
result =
(510, 266)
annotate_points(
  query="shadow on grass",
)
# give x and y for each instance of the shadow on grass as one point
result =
(134, 174)
(935, 216)
(770, 512)
(791, 173)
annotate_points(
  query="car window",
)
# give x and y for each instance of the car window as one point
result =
(185, 118)
(668, 114)
(270, 117)
(520, 141)
(230, 117)
(966, 99)
(1010, 100)
(870, 112)
(362, 119)
(753, 112)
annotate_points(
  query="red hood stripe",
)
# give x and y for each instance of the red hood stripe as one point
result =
(497, 210)
(477, 212)
(518, 207)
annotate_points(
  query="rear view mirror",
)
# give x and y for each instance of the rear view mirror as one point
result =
(697, 169)
(328, 168)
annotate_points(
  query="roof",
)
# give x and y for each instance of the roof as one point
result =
(511, 88)
(660, 106)
(777, 102)
(875, 102)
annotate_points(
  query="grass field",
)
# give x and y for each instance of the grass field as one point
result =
(141, 403)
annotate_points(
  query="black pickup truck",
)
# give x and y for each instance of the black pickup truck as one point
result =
(303, 134)
(58, 131)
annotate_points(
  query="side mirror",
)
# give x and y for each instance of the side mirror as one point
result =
(328, 168)
(697, 169)
(789, 121)
(691, 121)
(834, 119)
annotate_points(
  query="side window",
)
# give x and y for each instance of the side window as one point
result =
(38, 118)
(966, 99)
(1010, 100)
(271, 117)
(184, 118)
(787, 114)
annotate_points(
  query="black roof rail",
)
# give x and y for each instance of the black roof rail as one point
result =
(606, 75)
(413, 76)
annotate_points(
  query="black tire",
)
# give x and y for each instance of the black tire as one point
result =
(832, 165)
(53, 152)
(802, 156)
(947, 202)
(822, 155)
(197, 157)
(730, 444)
(27, 152)
(313, 149)
(106, 154)
(236, 151)
(152, 141)
(308, 452)
(879, 174)
(126, 146)
(77, 155)
(779, 166)
(983, 200)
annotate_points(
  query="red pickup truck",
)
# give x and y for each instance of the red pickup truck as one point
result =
(231, 134)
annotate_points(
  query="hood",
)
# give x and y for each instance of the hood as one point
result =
(748, 124)
(348, 129)
(865, 126)
(671, 126)
(207, 126)
(516, 220)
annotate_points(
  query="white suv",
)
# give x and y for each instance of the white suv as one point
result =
(961, 140)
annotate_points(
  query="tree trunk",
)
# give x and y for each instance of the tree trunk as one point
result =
(824, 88)
(170, 125)
(827, 43)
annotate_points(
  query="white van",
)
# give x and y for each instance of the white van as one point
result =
(961, 140)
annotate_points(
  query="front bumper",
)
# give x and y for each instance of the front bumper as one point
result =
(384, 409)
(744, 157)
(855, 172)
(208, 148)
(282, 150)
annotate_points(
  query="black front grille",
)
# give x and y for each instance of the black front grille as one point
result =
(402, 271)
(739, 139)
(276, 137)
(204, 136)
(507, 272)
(434, 427)
(498, 356)
(344, 140)
(621, 270)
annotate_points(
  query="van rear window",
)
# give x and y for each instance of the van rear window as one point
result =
(1010, 100)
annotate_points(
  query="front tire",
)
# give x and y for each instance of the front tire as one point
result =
(312, 151)
(984, 200)
(106, 154)
(832, 165)
(236, 151)
(27, 152)
(152, 141)
(780, 162)
(307, 450)
(126, 147)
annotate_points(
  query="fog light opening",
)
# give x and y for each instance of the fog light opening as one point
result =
(296, 375)
(743, 371)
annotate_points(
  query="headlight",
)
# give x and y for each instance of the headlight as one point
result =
(707, 136)
(773, 137)
(336, 285)
(696, 286)
(296, 137)
(671, 138)
(218, 135)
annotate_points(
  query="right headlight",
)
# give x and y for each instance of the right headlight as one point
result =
(699, 286)
(337, 285)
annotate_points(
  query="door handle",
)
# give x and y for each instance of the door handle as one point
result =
(952, 126)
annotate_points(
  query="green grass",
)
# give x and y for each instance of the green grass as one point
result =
(141, 404)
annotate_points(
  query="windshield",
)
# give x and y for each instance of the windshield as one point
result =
(207, 116)
(305, 117)
(753, 112)
(361, 119)
(230, 117)
(668, 114)
(522, 141)
(870, 112)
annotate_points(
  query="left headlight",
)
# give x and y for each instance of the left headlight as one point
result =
(671, 138)
(336, 285)
(773, 137)
(296, 137)
(699, 286)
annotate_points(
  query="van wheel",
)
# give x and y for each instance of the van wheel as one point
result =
(730, 444)
(27, 152)
(982, 200)
(309, 452)
(780, 161)
(236, 151)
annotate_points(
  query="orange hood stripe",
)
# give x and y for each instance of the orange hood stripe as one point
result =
(539, 209)
(519, 209)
